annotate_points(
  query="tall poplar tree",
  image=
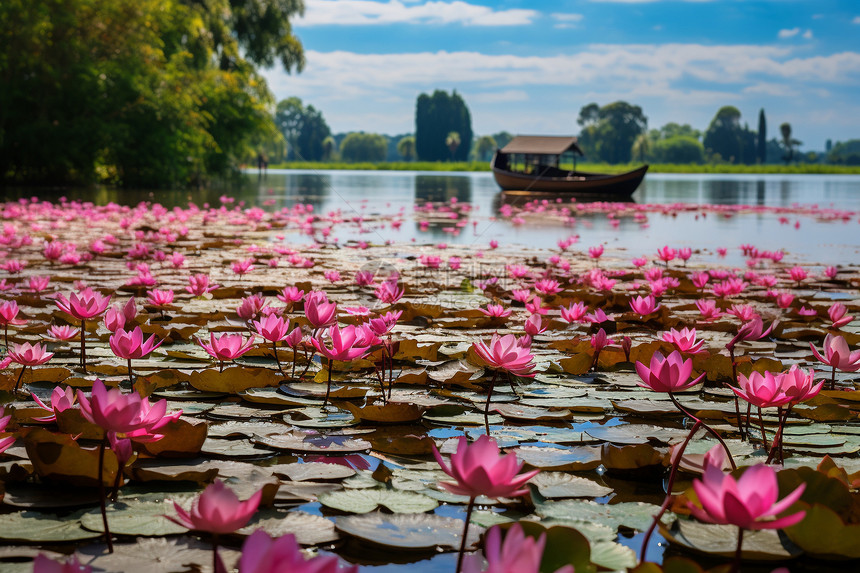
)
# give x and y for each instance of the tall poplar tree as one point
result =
(762, 138)
(436, 116)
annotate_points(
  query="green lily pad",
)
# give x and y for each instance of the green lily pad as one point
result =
(366, 500)
(408, 531)
(146, 518)
(722, 540)
(555, 485)
(635, 515)
(309, 529)
(37, 527)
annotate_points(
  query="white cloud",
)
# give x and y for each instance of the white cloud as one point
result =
(769, 88)
(497, 97)
(567, 17)
(645, 1)
(367, 13)
(789, 33)
(856, 20)
(350, 87)
(808, 34)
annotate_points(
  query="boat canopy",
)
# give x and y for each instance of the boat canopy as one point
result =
(541, 145)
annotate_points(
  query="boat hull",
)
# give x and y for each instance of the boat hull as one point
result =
(621, 185)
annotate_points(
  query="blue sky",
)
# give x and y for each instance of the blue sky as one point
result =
(529, 66)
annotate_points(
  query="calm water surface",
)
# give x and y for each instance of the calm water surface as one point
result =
(353, 193)
(360, 192)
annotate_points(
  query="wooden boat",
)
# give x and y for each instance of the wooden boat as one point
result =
(532, 163)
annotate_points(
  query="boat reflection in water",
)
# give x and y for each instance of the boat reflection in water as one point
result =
(533, 163)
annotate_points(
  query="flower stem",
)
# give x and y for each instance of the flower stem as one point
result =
(833, 378)
(215, 553)
(736, 564)
(706, 427)
(100, 477)
(130, 380)
(83, 345)
(278, 362)
(328, 383)
(18, 381)
(763, 434)
(674, 472)
(737, 402)
(465, 534)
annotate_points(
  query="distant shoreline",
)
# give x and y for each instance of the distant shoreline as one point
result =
(477, 166)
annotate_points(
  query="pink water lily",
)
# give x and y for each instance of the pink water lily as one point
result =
(262, 554)
(132, 345)
(83, 305)
(44, 564)
(127, 415)
(319, 311)
(64, 332)
(9, 315)
(198, 285)
(27, 354)
(346, 344)
(217, 510)
(684, 340)
(669, 374)
(519, 553)
(61, 400)
(643, 306)
(749, 502)
(503, 353)
(495, 311)
(838, 356)
(226, 346)
(762, 390)
(574, 313)
(480, 469)
(838, 314)
(8, 441)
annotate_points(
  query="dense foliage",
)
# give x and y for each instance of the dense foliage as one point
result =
(304, 129)
(436, 117)
(140, 92)
(846, 153)
(608, 132)
(364, 147)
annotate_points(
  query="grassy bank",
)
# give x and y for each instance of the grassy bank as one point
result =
(814, 168)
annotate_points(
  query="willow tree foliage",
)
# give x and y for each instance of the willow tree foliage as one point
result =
(436, 117)
(140, 92)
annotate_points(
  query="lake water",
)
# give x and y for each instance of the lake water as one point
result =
(809, 235)
(361, 192)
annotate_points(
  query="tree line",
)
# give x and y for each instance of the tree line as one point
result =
(614, 133)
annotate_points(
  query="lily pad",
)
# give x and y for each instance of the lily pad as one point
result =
(408, 531)
(366, 500)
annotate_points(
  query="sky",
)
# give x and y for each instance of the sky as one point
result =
(528, 66)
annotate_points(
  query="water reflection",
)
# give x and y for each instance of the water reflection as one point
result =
(442, 188)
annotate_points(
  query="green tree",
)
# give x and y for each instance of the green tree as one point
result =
(436, 116)
(724, 135)
(406, 147)
(679, 149)
(452, 142)
(608, 132)
(673, 129)
(485, 147)
(761, 146)
(144, 92)
(845, 152)
(502, 138)
(329, 148)
(788, 143)
(364, 147)
(304, 128)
